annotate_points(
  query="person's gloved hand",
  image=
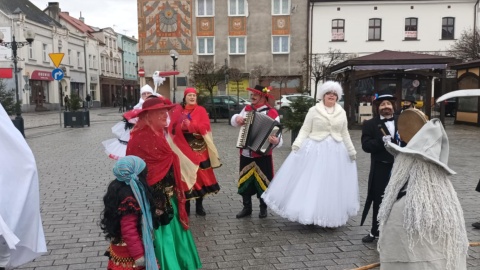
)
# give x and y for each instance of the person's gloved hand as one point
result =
(387, 138)
(295, 148)
(353, 158)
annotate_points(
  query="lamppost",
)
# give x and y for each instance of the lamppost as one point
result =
(174, 56)
(14, 45)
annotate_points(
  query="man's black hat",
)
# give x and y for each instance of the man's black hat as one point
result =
(411, 99)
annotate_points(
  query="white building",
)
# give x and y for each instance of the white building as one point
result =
(35, 65)
(111, 73)
(365, 27)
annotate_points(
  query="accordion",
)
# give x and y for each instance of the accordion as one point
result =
(254, 134)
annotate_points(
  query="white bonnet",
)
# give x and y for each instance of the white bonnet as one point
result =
(146, 88)
(330, 86)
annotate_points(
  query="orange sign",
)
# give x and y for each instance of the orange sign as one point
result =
(237, 26)
(205, 26)
(280, 25)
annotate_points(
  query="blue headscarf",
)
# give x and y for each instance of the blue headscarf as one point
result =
(127, 170)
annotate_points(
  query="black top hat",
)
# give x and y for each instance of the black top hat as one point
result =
(411, 99)
(385, 96)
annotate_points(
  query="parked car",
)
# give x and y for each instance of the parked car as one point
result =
(242, 100)
(225, 106)
(450, 107)
(283, 104)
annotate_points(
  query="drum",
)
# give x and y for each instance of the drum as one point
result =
(410, 122)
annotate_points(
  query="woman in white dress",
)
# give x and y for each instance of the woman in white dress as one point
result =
(117, 147)
(317, 184)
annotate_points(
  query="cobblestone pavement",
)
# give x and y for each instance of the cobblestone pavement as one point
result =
(74, 173)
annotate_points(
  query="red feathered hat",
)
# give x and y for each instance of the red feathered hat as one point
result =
(261, 90)
(156, 103)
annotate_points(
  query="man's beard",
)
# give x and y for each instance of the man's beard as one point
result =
(386, 112)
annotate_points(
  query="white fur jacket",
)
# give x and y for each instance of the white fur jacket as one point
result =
(319, 124)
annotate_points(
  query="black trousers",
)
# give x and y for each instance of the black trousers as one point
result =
(380, 178)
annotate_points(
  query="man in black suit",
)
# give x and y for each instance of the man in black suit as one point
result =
(375, 132)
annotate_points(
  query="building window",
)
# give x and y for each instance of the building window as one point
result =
(205, 8)
(205, 46)
(411, 26)
(280, 44)
(237, 45)
(79, 60)
(102, 63)
(30, 51)
(236, 7)
(375, 29)
(448, 28)
(69, 56)
(44, 52)
(280, 7)
(90, 63)
(93, 93)
(94, 62)
(338, 29)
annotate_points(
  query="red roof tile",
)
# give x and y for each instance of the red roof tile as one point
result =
(81, 26)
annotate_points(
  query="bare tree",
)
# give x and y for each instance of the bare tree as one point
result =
(318, 66)
(260, 73)
(206, 75)
(281, 80)
(467, 47)
(237, 76)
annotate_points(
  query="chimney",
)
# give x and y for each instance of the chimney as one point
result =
(81, 18)
(54, 10)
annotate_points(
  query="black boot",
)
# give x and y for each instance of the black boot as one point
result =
(247, 207)
(199, 207)
(263, 209)
(187, 207)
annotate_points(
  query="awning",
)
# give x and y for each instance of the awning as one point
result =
(6, 73)
(40, 75)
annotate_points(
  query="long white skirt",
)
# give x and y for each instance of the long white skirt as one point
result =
(316, 185)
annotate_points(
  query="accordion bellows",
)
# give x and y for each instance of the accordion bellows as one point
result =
(254, 134)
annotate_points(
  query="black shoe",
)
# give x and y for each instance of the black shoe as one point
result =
(244, 213)
(263, 212)
(200, 211)
(368, 239)
(476, 225)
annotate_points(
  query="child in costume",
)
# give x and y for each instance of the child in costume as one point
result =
(127, 217)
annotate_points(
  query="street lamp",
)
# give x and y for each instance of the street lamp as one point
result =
(174, 55)
(14, 45)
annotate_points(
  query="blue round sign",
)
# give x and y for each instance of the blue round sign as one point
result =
(57, 74)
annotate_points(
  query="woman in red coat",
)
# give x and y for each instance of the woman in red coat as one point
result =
(198, 134)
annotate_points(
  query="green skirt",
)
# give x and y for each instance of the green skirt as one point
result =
(174, 247)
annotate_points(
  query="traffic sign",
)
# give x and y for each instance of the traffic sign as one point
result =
(57, 74)
(56, 58)
(141, 72)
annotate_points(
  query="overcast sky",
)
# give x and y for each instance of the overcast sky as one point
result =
(121, 15)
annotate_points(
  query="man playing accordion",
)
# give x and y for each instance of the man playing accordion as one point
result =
(256, 170)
